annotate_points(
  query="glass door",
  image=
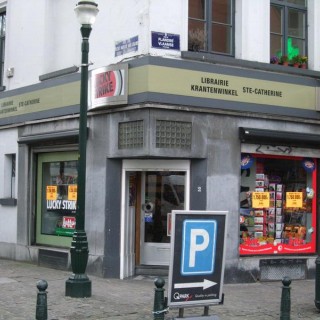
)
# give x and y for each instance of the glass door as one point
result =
(162, 192)
(57, 177)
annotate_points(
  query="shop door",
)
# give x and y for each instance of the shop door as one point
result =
(151, 189)
(161, 192)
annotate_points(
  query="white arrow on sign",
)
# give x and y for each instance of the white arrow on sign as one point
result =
(205, 284)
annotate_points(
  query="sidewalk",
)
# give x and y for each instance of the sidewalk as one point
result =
(132, 299)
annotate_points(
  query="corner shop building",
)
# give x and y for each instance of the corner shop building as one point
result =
(165, 134)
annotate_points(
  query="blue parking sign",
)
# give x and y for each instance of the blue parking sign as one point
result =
(199, 247)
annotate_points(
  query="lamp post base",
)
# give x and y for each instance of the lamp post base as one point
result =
(78, 286)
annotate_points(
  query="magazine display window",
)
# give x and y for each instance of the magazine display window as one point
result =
(277, 205)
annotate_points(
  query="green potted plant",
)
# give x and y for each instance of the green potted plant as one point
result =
(296, 61)
(303, 62)
(284, 60)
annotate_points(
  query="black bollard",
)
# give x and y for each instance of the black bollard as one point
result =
(42, 309)
(317, 284)
(285, 299)
(160, 305)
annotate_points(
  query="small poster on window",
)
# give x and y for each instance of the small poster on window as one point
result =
(72, 192)
(260, 199)
(68, 222)
(294, 199)
(51, 192)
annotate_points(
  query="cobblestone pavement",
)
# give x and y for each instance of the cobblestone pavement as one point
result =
(132, 299)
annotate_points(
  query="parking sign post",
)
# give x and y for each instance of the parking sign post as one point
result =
(197, 258)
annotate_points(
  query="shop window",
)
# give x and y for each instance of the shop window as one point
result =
(9, 181)
(10, 176)
(59, 205)
(288, 23)
(277, 205)
(211, 26)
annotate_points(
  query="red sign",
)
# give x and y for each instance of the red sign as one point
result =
(106, 84)
(69, 222)
(109, 86)
(252, 246)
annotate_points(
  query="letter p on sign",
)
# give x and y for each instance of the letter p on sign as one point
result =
(198, 247)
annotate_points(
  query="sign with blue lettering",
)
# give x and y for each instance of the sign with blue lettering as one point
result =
(126, 46)
(197, 258)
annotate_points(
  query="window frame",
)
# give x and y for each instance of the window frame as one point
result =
(208, 22)
(42, 238)
(285, 5)
(3, 24)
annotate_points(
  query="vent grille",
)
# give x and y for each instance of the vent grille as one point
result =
(53, 259)
(293, 268)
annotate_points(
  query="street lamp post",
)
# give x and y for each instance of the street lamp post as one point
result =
(79, 285)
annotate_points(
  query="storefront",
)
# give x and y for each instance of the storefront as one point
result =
(167, 148)
(278, 202)
(47, 217)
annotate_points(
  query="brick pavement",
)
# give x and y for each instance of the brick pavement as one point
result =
(132, 299)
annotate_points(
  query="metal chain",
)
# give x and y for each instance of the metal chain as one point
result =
(161, 311)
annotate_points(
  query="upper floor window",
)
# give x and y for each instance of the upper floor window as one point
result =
(211, 25)
(288, 23)
(2, 43)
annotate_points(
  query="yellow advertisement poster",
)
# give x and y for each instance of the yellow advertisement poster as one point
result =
(294, 199)
(260, 199)
(72, 192)
(51, 192)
